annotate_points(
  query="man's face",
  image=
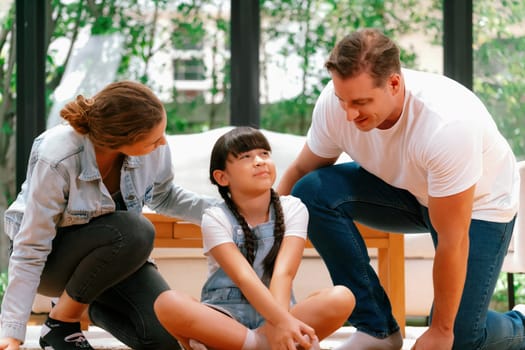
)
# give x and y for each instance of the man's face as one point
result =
(367, 105)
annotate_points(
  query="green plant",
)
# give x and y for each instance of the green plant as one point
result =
(3, 284)
(499, 300)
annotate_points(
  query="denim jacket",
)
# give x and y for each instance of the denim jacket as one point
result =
(64, 187)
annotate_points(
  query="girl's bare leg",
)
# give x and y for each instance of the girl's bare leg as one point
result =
(325, 310)
(186, 318)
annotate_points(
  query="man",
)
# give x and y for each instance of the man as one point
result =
(427, 158)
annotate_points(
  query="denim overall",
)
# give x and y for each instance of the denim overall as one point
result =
(221, 293)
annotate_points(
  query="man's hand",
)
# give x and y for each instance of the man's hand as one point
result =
(434, 339)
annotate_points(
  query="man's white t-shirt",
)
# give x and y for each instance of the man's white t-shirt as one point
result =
(444, 142)
(217, 227)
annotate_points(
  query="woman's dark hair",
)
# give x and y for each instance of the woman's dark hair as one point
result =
(120, 114)
(235, 142)
(365, 50)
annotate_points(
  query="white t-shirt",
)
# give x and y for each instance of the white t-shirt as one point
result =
(444, 142)
(217, 227)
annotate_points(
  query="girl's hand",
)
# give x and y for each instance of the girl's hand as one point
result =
(289, 334)
(314, 343)
(9, 344)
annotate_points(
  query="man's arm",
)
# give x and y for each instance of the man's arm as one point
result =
(305, 162)
(451, 218)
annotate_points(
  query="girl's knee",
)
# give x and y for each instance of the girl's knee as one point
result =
(338, 301)
(168, 302)
(164, 303)
(343, 298)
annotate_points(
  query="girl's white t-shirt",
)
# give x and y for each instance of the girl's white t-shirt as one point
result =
(217, 227)
(444, 142)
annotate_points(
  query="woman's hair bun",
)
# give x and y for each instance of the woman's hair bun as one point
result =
(76, 113)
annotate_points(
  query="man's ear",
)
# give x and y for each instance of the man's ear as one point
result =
(221, 178)
(395, 83)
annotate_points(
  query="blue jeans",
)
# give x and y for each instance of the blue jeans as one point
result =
(339, 194)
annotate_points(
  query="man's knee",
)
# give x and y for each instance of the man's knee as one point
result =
(466, 338)
(306, 187)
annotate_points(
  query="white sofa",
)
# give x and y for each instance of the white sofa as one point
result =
(191, 155)
(185, 269)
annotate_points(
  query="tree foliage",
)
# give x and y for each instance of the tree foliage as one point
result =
(296, 34)
(499, 66)
(308, 29)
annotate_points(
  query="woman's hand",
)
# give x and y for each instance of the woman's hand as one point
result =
(9, 344)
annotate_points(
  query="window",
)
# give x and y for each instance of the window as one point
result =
(499, 67)
(189, 69)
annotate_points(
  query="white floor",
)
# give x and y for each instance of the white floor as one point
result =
(97, 337)
(100, 339)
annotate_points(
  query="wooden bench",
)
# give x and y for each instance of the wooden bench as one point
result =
(173, 233)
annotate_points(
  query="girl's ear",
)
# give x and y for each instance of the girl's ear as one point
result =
(221, 177)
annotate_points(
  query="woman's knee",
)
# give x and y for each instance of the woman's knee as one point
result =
(137, 231)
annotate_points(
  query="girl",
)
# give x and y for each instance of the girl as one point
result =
(254, 242)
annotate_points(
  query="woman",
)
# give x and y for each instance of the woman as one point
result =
(76, 227)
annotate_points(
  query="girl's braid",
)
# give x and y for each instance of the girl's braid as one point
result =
(250, 239)
(278, 233)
